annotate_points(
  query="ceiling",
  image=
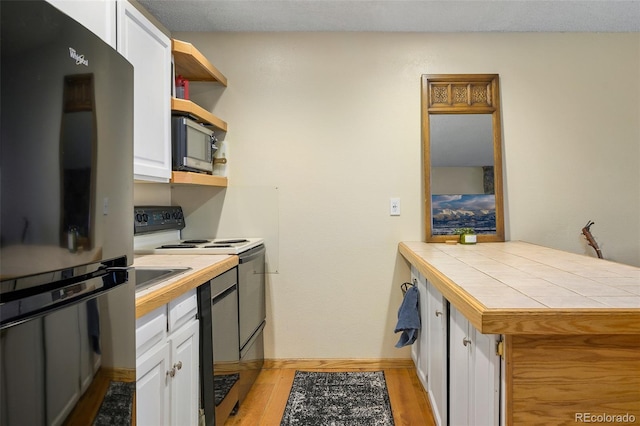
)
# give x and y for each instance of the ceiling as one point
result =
(398, 15)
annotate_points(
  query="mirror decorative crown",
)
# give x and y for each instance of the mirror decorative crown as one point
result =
(462, 148)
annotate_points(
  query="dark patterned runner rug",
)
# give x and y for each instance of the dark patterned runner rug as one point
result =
(117, 405)
(337, 399)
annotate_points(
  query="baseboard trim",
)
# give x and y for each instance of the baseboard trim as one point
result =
(336, 363)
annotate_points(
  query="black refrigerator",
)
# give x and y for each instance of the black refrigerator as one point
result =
(67, 296)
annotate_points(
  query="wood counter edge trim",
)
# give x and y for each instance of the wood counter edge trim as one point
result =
(463, 301)
(569, 321)
(154, 300)
(527, 321)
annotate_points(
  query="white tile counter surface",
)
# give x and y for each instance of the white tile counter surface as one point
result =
(203, 268)
(517, 276)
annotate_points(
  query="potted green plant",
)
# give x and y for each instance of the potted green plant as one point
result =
(467, 235)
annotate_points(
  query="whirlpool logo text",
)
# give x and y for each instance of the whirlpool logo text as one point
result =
(79, 58)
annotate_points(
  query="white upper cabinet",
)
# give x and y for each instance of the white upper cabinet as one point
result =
(149, 50)
(99, 16)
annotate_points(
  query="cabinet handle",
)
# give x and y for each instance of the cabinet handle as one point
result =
(438, 313)
(172, 372)
(178, 365)
(466, 341)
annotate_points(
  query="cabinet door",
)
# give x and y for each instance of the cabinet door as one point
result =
(152, 387)
(149, 50)
(474, 390)
(185, 382)
(422, 342)
(99, 16)
(485, 379)
(437, 361)
(459, 352)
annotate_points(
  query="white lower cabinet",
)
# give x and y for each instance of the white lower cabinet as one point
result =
(184, 368)
(457, 365)
(167, 365)
(419, 352)
(152, 386)
(474, 382)
(415, 348)
(437, 363)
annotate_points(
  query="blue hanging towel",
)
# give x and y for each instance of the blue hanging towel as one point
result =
(408, 318)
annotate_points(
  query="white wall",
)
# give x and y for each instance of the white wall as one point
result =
(330, 122)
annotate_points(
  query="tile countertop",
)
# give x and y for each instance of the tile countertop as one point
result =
(203, 268)
(521, 288)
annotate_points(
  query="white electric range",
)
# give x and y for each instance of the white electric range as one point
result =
(157, 230)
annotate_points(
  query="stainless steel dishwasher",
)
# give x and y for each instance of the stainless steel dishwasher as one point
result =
(219, 347)
(252, 316)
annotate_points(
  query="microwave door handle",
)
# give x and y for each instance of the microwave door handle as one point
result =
(214, 140)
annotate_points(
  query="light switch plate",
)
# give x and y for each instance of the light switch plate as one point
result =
(394, 207)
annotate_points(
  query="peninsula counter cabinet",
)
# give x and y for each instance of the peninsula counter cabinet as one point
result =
(533, 335)
(458, 366)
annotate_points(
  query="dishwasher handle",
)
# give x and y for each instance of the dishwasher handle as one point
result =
(218, 297)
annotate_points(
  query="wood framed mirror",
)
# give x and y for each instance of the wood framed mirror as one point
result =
(462, 156)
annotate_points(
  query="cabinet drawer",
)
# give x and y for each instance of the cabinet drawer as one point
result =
(151, 329)
(182, 309)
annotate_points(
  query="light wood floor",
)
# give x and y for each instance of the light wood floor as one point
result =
(266, 401)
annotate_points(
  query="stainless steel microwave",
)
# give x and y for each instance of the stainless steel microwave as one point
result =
(193, 145)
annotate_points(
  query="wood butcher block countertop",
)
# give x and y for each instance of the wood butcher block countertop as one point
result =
(203, 268)
(521, 288)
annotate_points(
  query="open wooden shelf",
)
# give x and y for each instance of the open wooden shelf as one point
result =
(190, 178)
(192, 64)
(200, 114)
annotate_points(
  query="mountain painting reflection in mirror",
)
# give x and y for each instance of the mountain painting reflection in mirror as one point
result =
(451, 211)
